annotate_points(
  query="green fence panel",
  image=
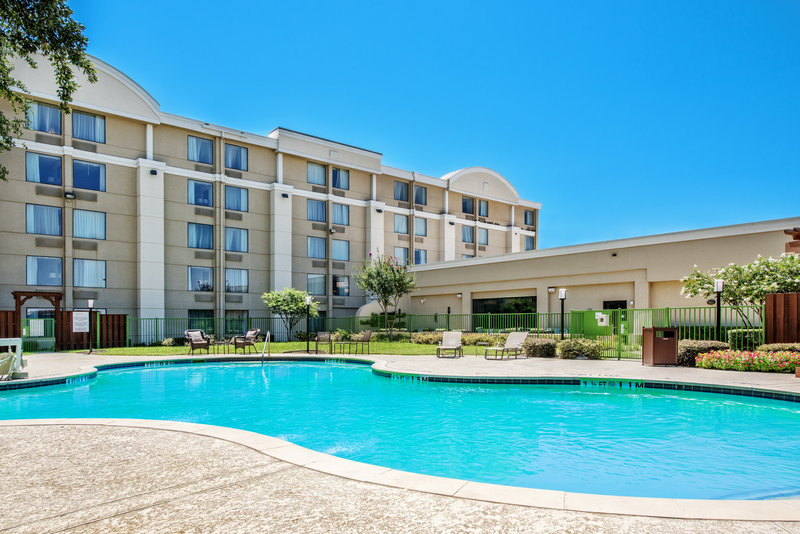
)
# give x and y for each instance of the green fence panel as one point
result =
(38, 335)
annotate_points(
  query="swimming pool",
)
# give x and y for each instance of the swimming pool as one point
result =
(650, 443)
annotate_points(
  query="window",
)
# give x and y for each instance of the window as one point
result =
(44, 118)
(341, 214)
(467, 235)
(201, 236)
(201, 278)
(341, 285)
(400, 224)
(200, 150)
(235, 157)
(401, 191)
(420, 195)
(89, 224)
(420, 226)
(528, 242)
(483, 236)
(200, 193)
(88, 273)
(237, 281)
(316, 247)
(88, 127)
(466, 256)
(467, 205)
(42, 169)
(201, 320)
(340, 250)
(401, 253)
(528, 218)
(315, 210)
(315, 173)
(45, 220)
(87, 175)
(235, 198)
(236, 239)
(483, 208)
(420, 256)
(316, 284)
(341, 178)
(43, 271)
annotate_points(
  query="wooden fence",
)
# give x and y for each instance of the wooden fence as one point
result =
(112, 331)
(782, 318)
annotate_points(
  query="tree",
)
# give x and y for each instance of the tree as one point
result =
(290, 305)
(385, 280)
(43, 27)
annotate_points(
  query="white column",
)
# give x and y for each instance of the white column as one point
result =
(448, 251)
(512, 215)
(373, 189)
(513, 239)
(150, 229)
(446, 205)
(279, 167)
(149, 141)
(375, 238)
(280, 237)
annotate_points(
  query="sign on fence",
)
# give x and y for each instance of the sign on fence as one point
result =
(80, 321)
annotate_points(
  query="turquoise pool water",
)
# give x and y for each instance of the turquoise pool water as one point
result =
(652, 443)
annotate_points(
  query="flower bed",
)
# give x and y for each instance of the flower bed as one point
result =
(743, 360)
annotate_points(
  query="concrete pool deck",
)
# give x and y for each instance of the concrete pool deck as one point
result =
(159, 475)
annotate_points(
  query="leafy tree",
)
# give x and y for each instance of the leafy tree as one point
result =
(290, 305)
(43, 27)
(385, 280)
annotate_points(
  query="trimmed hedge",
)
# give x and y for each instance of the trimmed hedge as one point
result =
(779, 347)
(569, 349)
(740, 360)
(689, 349)
(467, 338)
(744, 338)
(540, 347)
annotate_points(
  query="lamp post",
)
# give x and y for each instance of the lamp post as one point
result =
(562, 296)
(719, 285)
(308, 324)
(91, 305)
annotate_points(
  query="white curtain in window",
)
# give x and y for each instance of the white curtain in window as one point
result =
(42, 169)
(483, 236)
(43, 220)
(466, 234)
(88, 127)
(88, 175)
(316, 284)
(401, 191)
(201, 235)
(420, 194)
(483, 208)
(89, 224)
(400, 224)
(401, 253)
(315, 210)
(201, 279)
(235, 198)
(340, 250)
(43, 271)
(235, 157)
(236, 239)
(341, 214)
(44, 118)
(236, 280)
(341, 178)
(315, 174)
(88, 273)
(420, 226)
(200, 193)
(316, 247)
(420, 257)
(32, 173)
(200, 150)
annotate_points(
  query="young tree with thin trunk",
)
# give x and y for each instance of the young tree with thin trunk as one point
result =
(290, 305)
(386, 280)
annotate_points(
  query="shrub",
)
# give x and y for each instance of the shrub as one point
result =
(779, 347)
(738, 360)
(302, 336)
(744, 338)
(172, 342)
(569, 349)
(397, 336)
(689, 349)
(467, 338)
(540, 347)
(342, 335)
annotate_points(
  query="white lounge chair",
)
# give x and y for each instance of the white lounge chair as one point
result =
(513, 345)
(450, 341)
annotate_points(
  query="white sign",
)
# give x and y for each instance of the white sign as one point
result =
(80, 321)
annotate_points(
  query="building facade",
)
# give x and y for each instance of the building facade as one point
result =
(155, 215)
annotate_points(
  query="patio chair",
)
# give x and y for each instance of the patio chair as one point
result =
(6, 365)
(513, 345)
(323, 338)
(362, 340)
(197, 339)
(450, 341)
(246, 341)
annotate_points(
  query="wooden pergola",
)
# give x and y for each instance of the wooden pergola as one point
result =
(21, 297)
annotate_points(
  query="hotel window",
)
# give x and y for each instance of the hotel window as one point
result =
(400, 224)
(42, 169)
(401, 253)
(199, 149)
(88, 127)
(483, 236)
(88, 273)
(200, 193)
(89, 224)
(236, 239)
(316, 247)
(341, 285)
(87, 175)
(44, 118)
(483, 208)
(420, 195)
(235, 198)
(466, 256)
(420, 256)
(43, 271)
(528, 218)
(468, 205)
(201, 278)
(201, 236)
(341, 178)
(401, 191)
(420, 226)
(237, 281)
(316, 284)
(466, 234)
(340, 250)
(315, 210)
(235, 157)
(45, 220)
(341, 214)
(315, 173)
(528, 242)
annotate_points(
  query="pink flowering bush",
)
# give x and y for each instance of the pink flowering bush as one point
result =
(745, 360)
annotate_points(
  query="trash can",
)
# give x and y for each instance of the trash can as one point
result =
(659, 346)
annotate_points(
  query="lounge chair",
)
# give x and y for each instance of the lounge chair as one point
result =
(6, 365)
(323, 338)
(513, 345)
(362, 340)
(450, 341)
(197, 339)
(246, 341)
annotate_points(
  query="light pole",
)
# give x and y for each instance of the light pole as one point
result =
(562, 296)
(308, 324)
(91, 305)
(719, 285)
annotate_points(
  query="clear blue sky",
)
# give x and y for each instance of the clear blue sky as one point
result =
(623, 118)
